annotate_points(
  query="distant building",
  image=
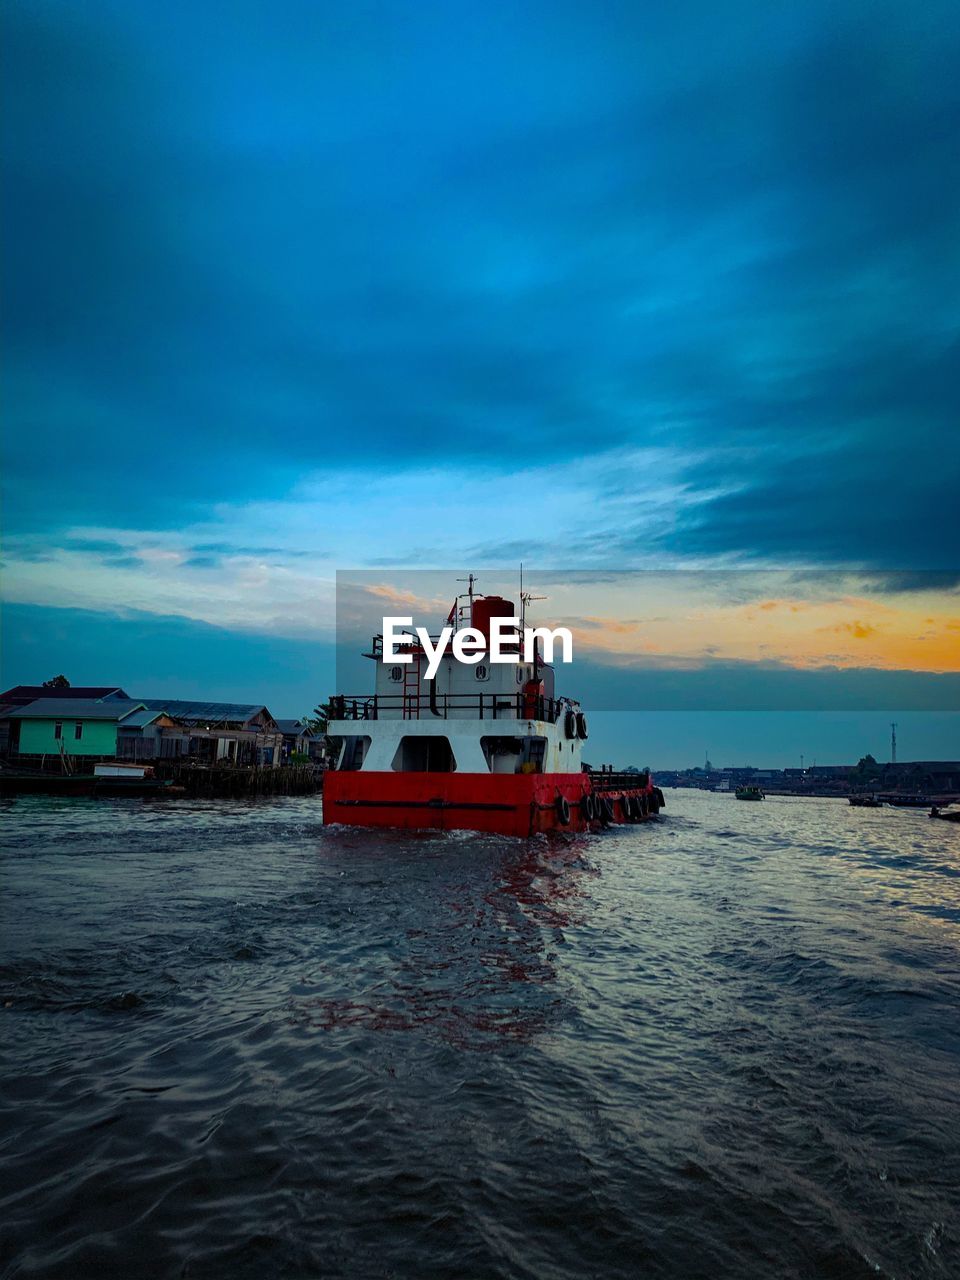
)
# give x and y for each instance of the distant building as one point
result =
(300, 739)
(936, 776)
(209, 732)
(140, 734)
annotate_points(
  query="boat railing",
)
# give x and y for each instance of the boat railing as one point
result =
(607, 780)
(445, 706)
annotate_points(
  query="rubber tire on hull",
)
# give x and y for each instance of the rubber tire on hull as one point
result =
(562, 806)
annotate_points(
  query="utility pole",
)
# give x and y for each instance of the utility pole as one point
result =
(893, 744)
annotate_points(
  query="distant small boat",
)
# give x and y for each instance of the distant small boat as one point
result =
(907, 801)
(866, 802)
(749, 793)
(936, 812)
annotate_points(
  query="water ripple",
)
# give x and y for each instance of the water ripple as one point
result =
(241, 1044)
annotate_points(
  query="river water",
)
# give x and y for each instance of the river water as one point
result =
(238, 1044)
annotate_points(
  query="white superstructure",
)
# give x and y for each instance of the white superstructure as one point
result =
(477, 718)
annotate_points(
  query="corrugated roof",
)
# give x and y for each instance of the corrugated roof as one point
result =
(140, 719)
(21, 694)
(76, 709)
(294, 726)
(207, 712)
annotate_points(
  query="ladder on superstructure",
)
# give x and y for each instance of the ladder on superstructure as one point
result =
(411, 688)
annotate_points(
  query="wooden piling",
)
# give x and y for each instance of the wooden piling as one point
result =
(233, 781)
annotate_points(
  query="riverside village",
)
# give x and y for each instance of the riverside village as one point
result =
(99, 739)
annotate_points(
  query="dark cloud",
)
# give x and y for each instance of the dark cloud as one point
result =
(246, 247)
(158, 656)
(893, 501)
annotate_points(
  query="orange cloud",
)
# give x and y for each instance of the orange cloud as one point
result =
(860, 630)
(614, 625)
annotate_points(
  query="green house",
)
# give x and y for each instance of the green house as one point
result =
(71, 726)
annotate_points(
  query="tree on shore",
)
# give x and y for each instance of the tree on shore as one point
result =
(322, 714)
(867, 767)
(58, 682)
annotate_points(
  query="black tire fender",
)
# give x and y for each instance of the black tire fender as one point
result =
(562, 806)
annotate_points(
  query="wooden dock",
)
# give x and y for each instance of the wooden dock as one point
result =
(232, 781)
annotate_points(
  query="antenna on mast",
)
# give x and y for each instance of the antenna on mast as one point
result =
(471, 581)
(525, 598)
(893, 743)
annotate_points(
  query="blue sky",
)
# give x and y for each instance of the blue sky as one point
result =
(294, 288)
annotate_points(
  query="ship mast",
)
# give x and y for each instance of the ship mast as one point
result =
(471, 580)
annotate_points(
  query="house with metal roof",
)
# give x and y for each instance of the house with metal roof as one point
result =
(23, 694)
(140, 735)
(70, 726)
(103, 721)
(209, 732)
(300, 739)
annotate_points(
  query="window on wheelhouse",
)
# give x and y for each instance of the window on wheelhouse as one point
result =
(424, 754)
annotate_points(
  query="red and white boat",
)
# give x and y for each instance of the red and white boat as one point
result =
(485, 747)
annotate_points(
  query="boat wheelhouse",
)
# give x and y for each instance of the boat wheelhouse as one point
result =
(482, 746)
(749, 792)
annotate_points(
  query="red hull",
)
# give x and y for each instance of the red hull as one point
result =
(506, 804)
